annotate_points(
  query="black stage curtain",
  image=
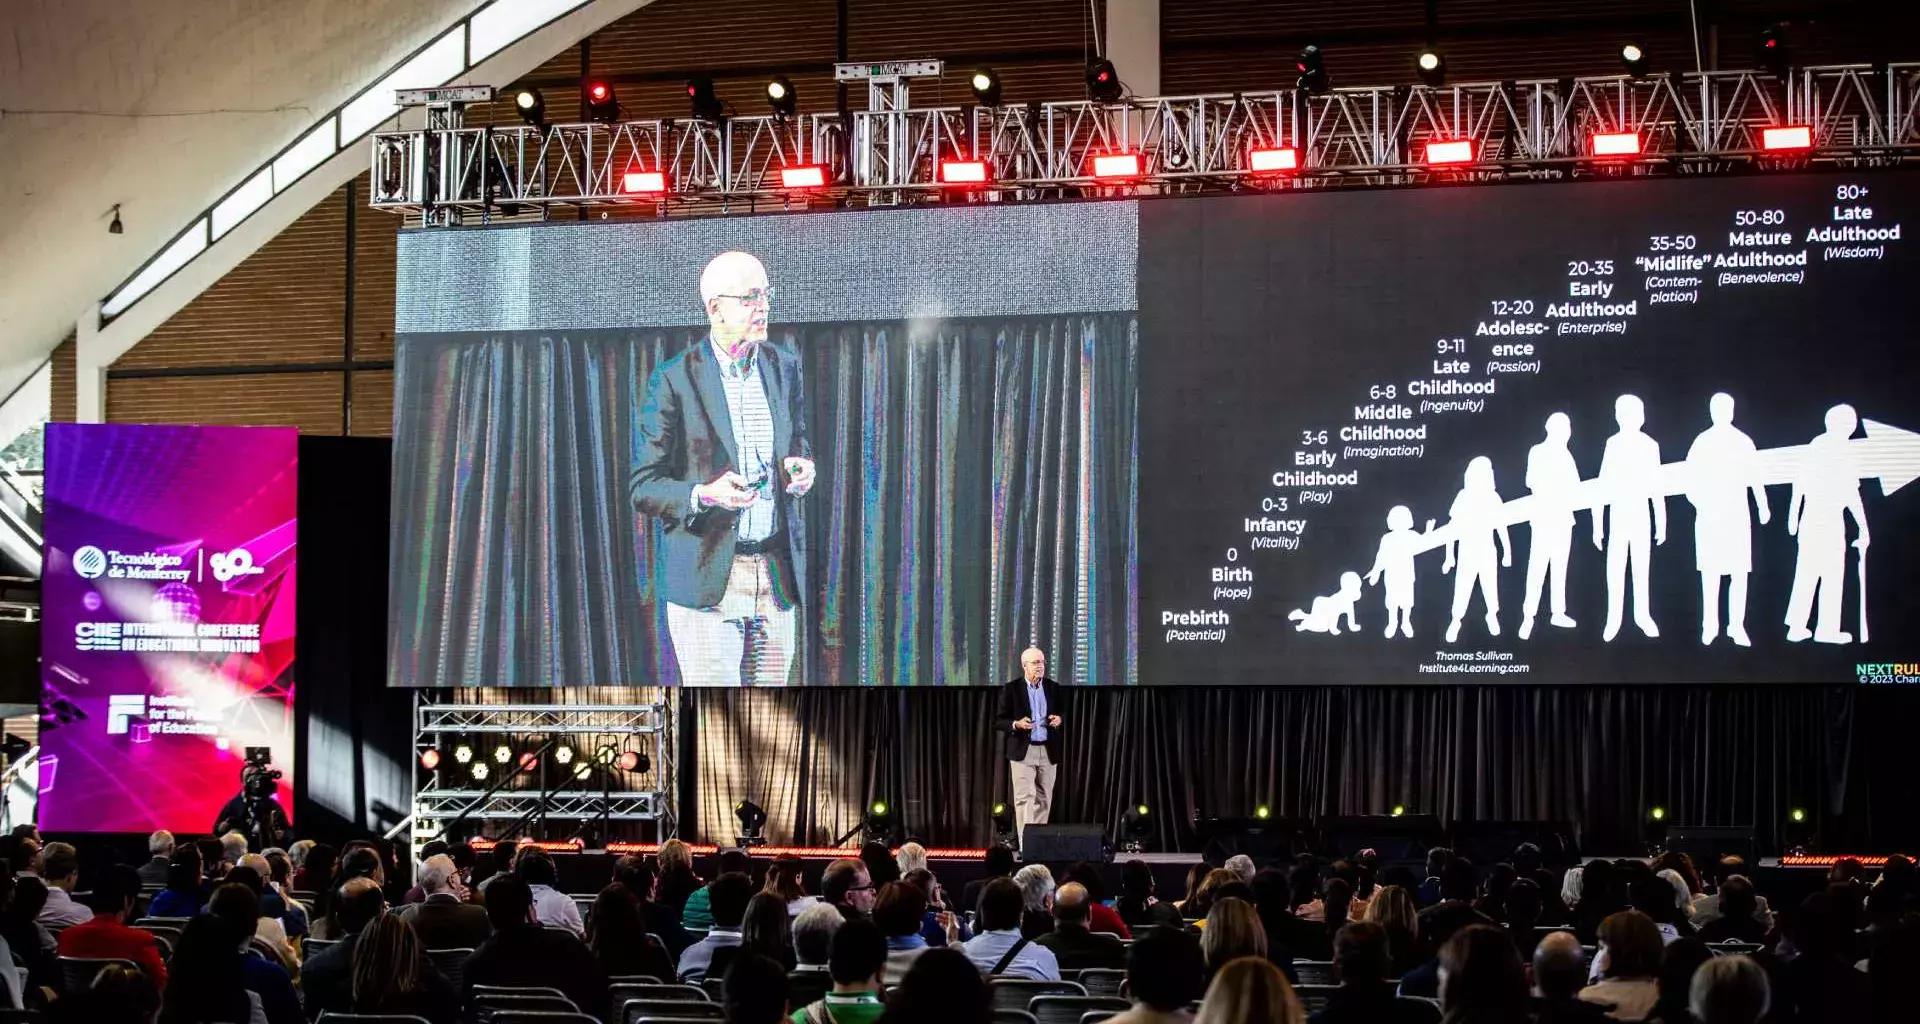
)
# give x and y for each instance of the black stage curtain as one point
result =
(1596, 756)
(975, 495)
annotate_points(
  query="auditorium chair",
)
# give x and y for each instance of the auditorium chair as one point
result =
(452, 965)
(1314, 998)
(1070, 1009)
(76, 973)
(1007, 1015)
(636, 1010)
(332, 1017)
(1096, 1016)
(314, 947)
(494, 999)
(1102, 981)
(1314, 972)
(664, 992)
(541, 1017)
(1016, 993)
(715, 988)
(1734, 947)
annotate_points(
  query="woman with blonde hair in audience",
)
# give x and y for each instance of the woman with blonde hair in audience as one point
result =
(911, 857)
(1628, 964)
(676, 880)
(1233, 931)
(1197, 908)
(1250, 990)
(1392, 909)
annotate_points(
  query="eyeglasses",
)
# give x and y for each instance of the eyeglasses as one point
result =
(754, 296)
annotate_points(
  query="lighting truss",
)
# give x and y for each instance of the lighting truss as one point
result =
(1859, 115)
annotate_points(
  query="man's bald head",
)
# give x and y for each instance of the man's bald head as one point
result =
(1033, 664)
(1071, 904)
(360, 903)
(735, 291)
(1557, 972)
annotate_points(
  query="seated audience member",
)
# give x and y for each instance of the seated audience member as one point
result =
(521, 952)
(1732, 990)
(1893, 967)
(911, 857)
(1078, 948)
(1392, 909)
(1100, 917)
(898, 914)
(1437, 860)
(1659, 899)
(327, 976)
(182, 897)
(1492, 902)
(159, 856)
(550, 906)
(236, 904)
(1196, 877)
(1165, 973)
(697, 915)
(1734, 920)
(1242, 865)
(117, 993)
(315, 871)
(1481, 978)
(427, 852)
(442, 920)
(1706, 908)
(754, 990)
(999, 948)
(204, 979)
(1233, 930)
(1435, 929)
(637, 874)
(274, 902)
(267, 929)
(1138, 907)
(813, 933)
(1458, 891)
(106, 936)
(1036, 889)
(20, 859)
(677, 882)
(998, 863)
(1306, 939)
(1628, 965)
(1201, 902)
(1250, 990)
(858, 959)
(618, 937)
(940, 926)
(942, 988)
(1820, 983)
(59, 866)
(727, 899)
(1360, 958)
(1558, 974)
(391, 974)
(848, 886)
(881, 867)
(233, 846)
(765, 929)
(500, 861)
(297, 854)
(784, 881)
(1273, 899)
(1677, 964)
(1521, 915)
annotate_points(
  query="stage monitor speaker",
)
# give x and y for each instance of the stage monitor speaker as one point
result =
(1490, 842)
(1063, 843)
(1398, 839)
(1269, 841)
(1708, 843)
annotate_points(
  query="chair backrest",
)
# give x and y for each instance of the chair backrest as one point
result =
(667, 992)
(371, 1018)
(1314, 998)
(1016, 993)
(650, 1019)
(1008, 1015)
(76, 973)
(311, 948)
(1102, 981)
(634, 1010)
(543, 1003)
(1096, 1016)
(715, 988)
(1069, 1009)
(541, 1017)
(452, 965)
(634, 979)
(1733, 947)
(1314, 972)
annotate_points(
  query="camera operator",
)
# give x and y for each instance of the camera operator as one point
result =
(255, 812)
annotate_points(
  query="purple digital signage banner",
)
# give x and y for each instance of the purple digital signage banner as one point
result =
(168, 633)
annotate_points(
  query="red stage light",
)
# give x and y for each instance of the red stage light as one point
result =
(812, 176)
(963, 172)
(629, 761)
(528, 761)
(1454, 151)
(430, 759)
(636, 182)
(1273, 161)
(1117, 165)
(1616, 144)
(597, 91)
(1797, 136)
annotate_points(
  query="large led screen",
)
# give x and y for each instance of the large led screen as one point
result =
(168, 635)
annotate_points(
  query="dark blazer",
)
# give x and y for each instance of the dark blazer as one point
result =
(1013, 707)
(448, 923)
(153, 872)
(684, 437)
(1078, 949)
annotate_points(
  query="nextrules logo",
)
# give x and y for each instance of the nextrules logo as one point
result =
(89, 562)
(233, 564)
(121, 707)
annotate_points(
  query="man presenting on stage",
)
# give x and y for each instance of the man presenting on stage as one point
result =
(721, 460)
(1027, 712)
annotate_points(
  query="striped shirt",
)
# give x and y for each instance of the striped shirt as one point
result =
(752, 423)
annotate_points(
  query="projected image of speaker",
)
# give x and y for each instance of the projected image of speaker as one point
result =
(1053, 843)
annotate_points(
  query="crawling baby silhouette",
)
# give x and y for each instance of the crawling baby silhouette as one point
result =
(1329, 610)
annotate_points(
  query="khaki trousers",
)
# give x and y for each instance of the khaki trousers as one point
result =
(1032, 789)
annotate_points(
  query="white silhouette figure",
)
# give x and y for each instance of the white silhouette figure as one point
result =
(1476, 518)
(1630, 481)
(1328, 610)
(1825, 492)
(1723, 468)
(1554, 480)
(1395, 560)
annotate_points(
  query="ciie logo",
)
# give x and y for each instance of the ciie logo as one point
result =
(121, 708)
(90, 563)
(229, 565)
(1897, 673)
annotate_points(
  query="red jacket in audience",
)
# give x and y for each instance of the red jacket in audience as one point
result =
(105, 938)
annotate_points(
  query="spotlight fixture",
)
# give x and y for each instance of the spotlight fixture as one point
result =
(631, 761)
(1634, 59)
(503, 753)
(582, 771)
(1657, 813)
(531, 106)
(1798, 814)
(563, 754)
(1263, 812)
(430, 759)
(606, 755)
(1770, 50)
(878, 809)
(986, 87)
(752, 821)
(1002, 820)
(602, 104)
(1137, 823)
(114, 227)
(878, 825)
(704, 101)
(529, 761)
(1311, 64)
(1273, 160)
(1797, 833)
(480, 771)
(1432, 67)
(1399, 810)
(780, 96)
(463, 753)
(1103, 82)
